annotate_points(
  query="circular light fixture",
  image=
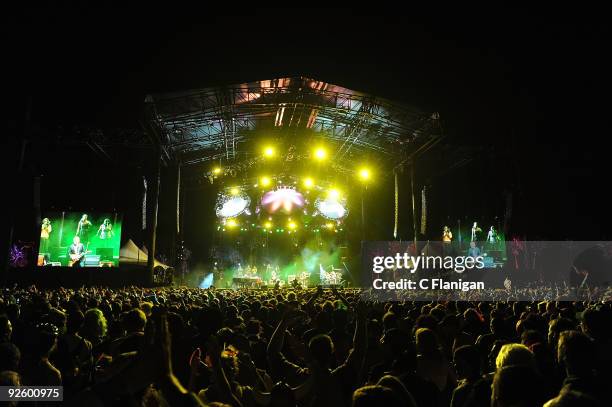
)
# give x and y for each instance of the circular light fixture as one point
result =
(332, 207)
(269, 152)
(365, 174)
(230, 206)
(308, 182)
(320, 154)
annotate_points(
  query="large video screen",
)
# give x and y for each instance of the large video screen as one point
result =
(282, 200)
(285, 200)
(79, 239)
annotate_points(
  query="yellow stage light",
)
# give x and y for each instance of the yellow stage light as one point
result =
(217, 170)
(365, 174)
(320, 153)
(333, 193)
(265, 181)
(292, 225)
(308, 182)
(231, 223)
(267, 225)
(269, 152)
(234, 191)
(329, 225)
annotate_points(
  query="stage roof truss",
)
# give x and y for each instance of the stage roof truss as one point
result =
(218, 124)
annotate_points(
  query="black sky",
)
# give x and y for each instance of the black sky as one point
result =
(532, 95)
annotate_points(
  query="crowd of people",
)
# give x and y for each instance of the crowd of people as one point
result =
(305, 347)
(513, 292)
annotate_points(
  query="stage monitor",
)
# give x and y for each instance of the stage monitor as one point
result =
(80, 239)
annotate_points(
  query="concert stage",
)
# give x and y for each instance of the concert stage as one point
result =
(288, 175)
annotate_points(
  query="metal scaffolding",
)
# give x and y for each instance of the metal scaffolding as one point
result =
(218, 124)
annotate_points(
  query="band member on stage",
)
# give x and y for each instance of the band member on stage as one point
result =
(239, 273)
(217, 276)
(492, 237)
(473, 251)
(83, 229)
(76, 252)
(268, 269)
(447, 235)
(45, 233)
(332, 277)
(304, 278)
(475, 231)
(105, 231)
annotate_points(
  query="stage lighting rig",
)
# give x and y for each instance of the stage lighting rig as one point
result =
(265, 181)
(308, 182)
(320, 154)
(269, 152)
(365, 174)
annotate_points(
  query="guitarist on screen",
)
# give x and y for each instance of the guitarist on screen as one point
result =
(76, 252)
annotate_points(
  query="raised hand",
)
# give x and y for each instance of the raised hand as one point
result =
(195, 362)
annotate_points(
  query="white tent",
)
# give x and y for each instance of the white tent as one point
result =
(132, 254)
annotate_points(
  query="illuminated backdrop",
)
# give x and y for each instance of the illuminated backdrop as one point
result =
(284, 198)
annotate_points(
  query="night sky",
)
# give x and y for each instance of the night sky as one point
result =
(527, 100)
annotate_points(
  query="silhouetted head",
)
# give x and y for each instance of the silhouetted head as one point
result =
(282, 396)
(375, 396)
(321, 349)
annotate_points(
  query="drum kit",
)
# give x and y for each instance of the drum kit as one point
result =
(302, 279)
(333, 277)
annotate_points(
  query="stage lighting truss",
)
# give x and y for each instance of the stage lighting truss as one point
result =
(231, 205)
(218, 124)
(331, 207)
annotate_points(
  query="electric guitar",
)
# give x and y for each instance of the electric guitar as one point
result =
(76, 258)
